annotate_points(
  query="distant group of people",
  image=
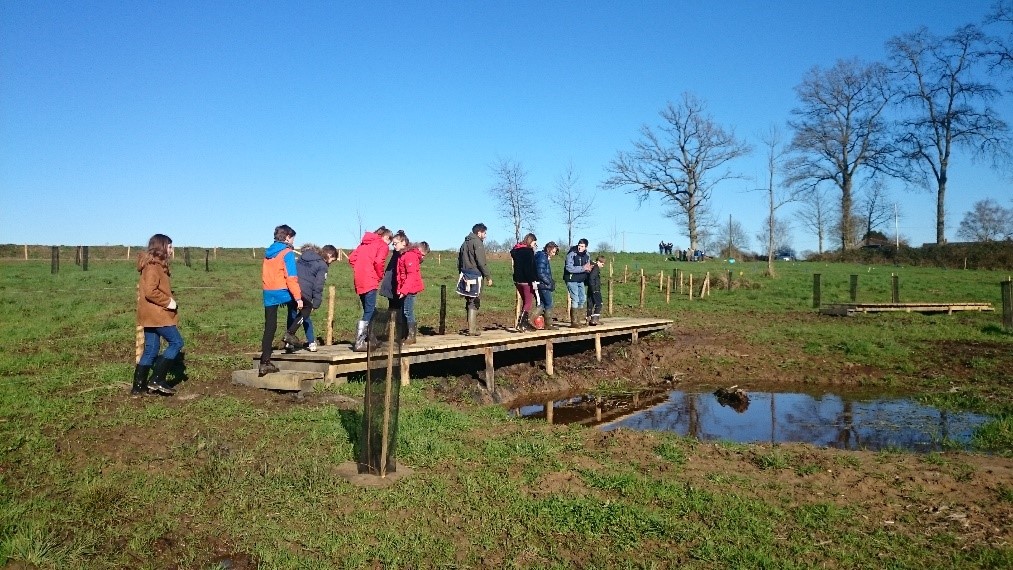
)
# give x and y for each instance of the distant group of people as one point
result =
(665, 248)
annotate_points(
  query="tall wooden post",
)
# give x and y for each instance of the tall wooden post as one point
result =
(443, 309)
(207, 260)
(643, 288)
(896, 287)
(610, 296)
(668, 292)
(816, 291)
(729, 279)
(690, 286)
(84, 258)
(680, 281)
(186, 256)
(853, 289)
(330, 315)
(26, 252)
(55, 265)
(77, 255)
(1007, 303)
(626, 274)
(128, 253)
(661, 282)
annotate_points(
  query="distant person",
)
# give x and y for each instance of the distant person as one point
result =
(575, 270)
(158, 314)
(546, 283)
(312, 272)
(661, 247)
(410, 284)
(367, 262)
(281, 287)
(594, 301)
(525, 278)
(473, 269)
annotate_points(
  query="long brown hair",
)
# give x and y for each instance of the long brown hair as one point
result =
(158, 247)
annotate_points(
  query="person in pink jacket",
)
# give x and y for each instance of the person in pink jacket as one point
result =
(367, 263)
(409, 283)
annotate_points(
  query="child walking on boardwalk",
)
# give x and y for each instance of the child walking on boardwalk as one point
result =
(312, 272)
(281, 287)
(594, 292)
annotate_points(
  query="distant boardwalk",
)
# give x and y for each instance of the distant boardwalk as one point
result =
(300, 369)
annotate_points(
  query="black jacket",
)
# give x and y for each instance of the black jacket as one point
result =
(312, 272)
(524, 264)
(594, 279)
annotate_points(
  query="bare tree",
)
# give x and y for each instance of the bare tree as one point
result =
(948, 107)
(815, 215)
(514, 200)
(777, 195)
(987, 221)
(874, 206)
(571, 202)
(778, 233)
(999, 51)
(681, 162)
(731, 240)
(839, 130)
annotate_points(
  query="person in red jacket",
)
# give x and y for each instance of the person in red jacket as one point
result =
(367, 263)
(409, 283)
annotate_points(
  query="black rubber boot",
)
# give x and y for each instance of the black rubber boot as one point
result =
(413, 329)
(157, 381)
(140, 380)
(547, 315)
(473, 328)
(267, 367)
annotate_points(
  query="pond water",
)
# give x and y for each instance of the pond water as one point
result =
(845, 421)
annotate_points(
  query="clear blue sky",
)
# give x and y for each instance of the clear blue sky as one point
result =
(214, 122)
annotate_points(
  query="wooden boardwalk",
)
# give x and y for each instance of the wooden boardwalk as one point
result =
(851, 309)
(301, 368)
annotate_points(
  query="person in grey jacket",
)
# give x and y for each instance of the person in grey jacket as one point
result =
(575, 271)
(473, 269)
(311, 269)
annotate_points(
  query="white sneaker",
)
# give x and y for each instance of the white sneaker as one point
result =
(312, 347)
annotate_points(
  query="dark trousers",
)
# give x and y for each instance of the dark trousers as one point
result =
(593, 302)
(270, 328)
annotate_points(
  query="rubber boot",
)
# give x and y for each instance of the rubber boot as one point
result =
(360, 344)
(473, 329)
(525, 324)
(157, 381)
(267, 367)
(413, 329)
(574, 318)
(595, 320)
(547, 315)
(140, 380)
(290, 340)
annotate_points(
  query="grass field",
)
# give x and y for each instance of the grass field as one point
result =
(225, 476)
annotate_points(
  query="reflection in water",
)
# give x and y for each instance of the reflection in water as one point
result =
(830, 420)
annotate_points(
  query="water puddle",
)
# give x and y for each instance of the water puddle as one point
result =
(845, 421)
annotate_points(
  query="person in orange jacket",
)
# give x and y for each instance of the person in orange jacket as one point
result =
(281, 287)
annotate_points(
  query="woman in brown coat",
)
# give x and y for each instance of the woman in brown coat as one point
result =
(157, 313)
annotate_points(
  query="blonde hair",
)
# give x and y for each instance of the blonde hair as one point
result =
(421, 246)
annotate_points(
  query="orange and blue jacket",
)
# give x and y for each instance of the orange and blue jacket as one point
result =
(281, 282)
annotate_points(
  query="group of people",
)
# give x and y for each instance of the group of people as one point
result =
(665, 248)
(533, 279)
(296, 280)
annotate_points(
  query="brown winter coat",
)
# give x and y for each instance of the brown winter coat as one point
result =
(154, 293)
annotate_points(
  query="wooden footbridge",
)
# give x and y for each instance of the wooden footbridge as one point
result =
(851, 309)
(301, 369)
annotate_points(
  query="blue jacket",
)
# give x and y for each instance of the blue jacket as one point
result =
(312, 275)
(573, 269)
(544, 269)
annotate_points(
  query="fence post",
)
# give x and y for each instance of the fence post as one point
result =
(84, 258)
(443, 309)
(610, 296)
(1007, 303)
(207, 260)
(816, 290)
(729, 279)
(643, 288)
(330, 315)
(186, 256)
(26, 252)
(896, 287)
(668, 292)
(854, 288)
(690, 286)
(77, 255)
(55, 267)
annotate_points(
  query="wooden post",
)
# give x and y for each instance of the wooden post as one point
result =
(216, 253)
(548, 356)
(729, 279)
(816, 290)
(406, 375)
(626, 274)
(253, 250)
(1007, 303)
(853, 289)
(668, 292)
(443, 309)
(490, 371)
(548, 411)
(705, 290)
(387, 397)
(330, 315)
(186, 256)
(26, 253)
(643, 288)
(597, 346)
(690, 286)
(635, 338)
(661, 282)
(896, 287)
(680, 281)
(128, 253)
(207, 260)
(439, 258)
(55, 265)
(610, 296)
(84, 258)
(77, 255)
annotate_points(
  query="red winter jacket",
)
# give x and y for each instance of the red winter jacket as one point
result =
(409, 272)
(367, 262)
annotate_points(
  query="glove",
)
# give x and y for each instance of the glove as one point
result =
(172, 305)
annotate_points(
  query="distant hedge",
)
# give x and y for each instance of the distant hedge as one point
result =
(977, 255)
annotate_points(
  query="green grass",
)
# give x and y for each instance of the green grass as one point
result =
(179, 483)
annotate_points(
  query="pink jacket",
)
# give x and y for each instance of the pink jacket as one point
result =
(367, 262)
(409, 272)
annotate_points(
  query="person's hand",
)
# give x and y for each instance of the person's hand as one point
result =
(298, 304)
(401, 296)
(587, 267)
(172, 305)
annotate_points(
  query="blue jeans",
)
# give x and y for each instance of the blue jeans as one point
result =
(409, 308)
(576, 290)
(545, 299)
(368, 300)
(153, 341)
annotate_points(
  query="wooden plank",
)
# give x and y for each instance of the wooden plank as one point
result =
(292, 381)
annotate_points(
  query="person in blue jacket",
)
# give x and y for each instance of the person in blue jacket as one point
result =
(575, 271)
(312, 272)
(546, 283)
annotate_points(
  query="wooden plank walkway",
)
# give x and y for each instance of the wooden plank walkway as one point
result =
(850, 309)
(332, 363)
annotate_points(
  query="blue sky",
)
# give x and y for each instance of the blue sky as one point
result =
(214, 122)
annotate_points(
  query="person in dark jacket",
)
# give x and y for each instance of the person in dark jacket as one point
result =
(311, 269)
(525, 278)
(594, 301)
(546, 283)
(575, 270)
(473, 269)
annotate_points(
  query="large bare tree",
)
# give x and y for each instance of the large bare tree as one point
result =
(946, 106)
(515, 202)
(680, 161)
(1000, 49)
(839, 131)
(777, 195)
(574, 206)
